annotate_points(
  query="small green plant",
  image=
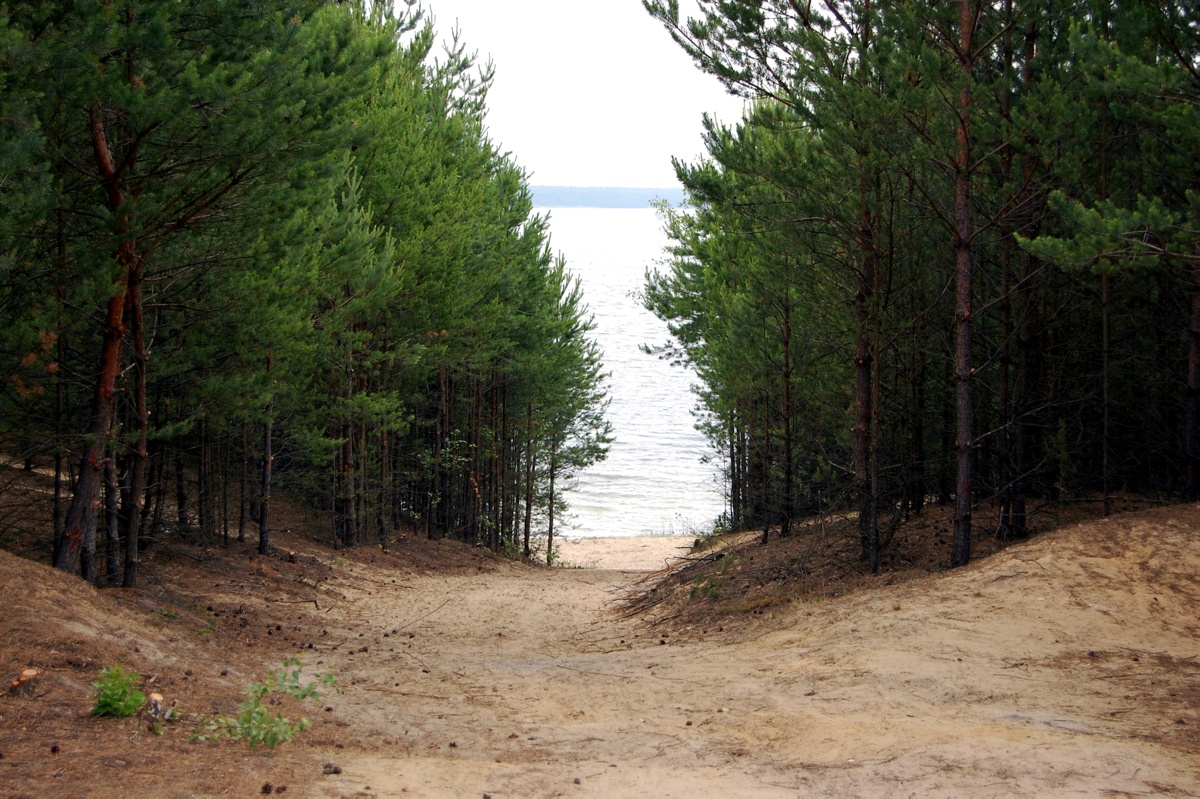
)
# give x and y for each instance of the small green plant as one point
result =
(166, 613)
(709, 586)
(254, 723)
(117, 693)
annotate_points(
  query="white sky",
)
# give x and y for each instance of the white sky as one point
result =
(587, 92)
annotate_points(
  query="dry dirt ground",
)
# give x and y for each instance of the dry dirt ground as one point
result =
(1066, 665)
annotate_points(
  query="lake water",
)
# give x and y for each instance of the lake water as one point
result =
(660, 476)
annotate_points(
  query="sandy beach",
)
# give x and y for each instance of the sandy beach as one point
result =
(624, 553)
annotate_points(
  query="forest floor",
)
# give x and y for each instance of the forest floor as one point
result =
(1068, 664)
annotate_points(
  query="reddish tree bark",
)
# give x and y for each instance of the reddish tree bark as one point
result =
(80, 521)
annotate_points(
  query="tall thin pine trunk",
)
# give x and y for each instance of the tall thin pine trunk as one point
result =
(60, 390)
(137, 463)
(876, 432)
(203, 488)
(789, 490)
(864, 354)
(1192, 425)
(961, 552)
(243, 479)
(1192, 420)
(112, 521)
(268, 462)
(529, 475)
(181, 496)
(1003, 390)
(550, 505)
(80, 522)
(1027, 332)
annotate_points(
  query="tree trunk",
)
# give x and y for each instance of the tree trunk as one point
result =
(112, 523)
(1192, 423)
(1026, 336)
(438, 511)
(763, 515)
(876, 432)
(789, 491)
(203, 485)
(264, 508)
(529, 475)
(864, 354)
(1003, 391)
(863, 373)
(916, 487)
(735, 479)
(155, 495)
(223, 465)
(181, 497)
(137, 465)
(1104, 328)
(961, 552)
(347, 510)
(243, 480)
(550, 512)
(60, 391)
(80, 523)
(1192, 431)
(383, 499)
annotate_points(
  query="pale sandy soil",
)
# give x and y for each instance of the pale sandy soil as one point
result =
(1066, 666)
(631, 553)
(1063, 667)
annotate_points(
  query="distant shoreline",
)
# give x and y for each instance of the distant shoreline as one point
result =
(602, 197)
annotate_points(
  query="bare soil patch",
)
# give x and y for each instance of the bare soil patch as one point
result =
(1067, 664)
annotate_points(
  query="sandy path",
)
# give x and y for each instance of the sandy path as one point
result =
(633, 553)
(1062, 667)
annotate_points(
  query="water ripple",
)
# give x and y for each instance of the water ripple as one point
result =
(659, 476)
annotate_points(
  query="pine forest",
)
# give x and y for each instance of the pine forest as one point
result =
(250, 245)
(950, 254)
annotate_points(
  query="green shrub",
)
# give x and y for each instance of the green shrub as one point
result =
(254, 723)
(117, 693)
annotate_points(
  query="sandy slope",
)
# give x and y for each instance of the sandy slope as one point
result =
(1064, 666)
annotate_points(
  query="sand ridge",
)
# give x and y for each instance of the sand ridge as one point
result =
(1067, 665)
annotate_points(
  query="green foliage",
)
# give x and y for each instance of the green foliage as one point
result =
(711, 584)
(255, 723)
(117, 693)
(334, 251)
(811, 284)
(708, 586)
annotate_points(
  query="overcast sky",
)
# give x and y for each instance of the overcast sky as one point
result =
(587, 92)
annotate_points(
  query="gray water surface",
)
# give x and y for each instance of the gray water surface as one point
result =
(655, 479)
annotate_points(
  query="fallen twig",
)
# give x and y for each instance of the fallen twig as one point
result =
(297, 602)
(594, 673)
(421, 618)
